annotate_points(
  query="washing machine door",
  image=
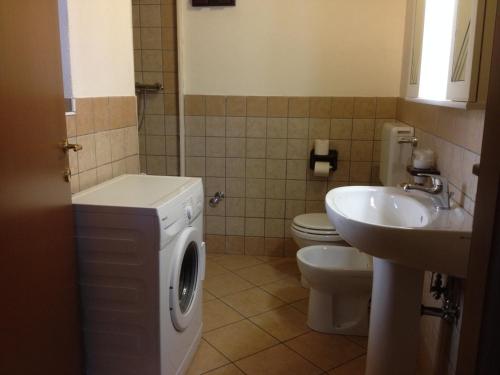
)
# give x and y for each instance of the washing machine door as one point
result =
(185, 285)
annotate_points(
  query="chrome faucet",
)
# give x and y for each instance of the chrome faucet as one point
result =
(439, 190)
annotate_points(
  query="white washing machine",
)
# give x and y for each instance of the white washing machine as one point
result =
(141, 261)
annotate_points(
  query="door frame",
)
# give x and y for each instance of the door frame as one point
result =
(486, 220)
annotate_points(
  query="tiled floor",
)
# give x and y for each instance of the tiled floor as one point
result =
(255, 323)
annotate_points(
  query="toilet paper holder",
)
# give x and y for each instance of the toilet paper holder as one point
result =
(331, 158)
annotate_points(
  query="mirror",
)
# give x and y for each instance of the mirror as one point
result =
(418, 32)
(461, 39)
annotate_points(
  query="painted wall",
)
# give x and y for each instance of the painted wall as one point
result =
(295, 48)
(101, 48)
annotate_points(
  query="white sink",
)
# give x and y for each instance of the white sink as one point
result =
(406, 235)
(406, 228)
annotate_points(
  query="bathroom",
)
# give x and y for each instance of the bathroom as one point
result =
(237, 95)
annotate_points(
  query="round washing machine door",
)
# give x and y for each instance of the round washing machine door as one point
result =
(185, 284)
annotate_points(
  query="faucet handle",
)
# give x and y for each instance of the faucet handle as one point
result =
(437, 180)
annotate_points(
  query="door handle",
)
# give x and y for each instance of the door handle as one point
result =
(66, 146)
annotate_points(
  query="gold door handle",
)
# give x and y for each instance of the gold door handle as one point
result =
(66, 146)
(67, 175)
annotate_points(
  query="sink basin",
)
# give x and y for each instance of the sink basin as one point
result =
(403, 227)
(406, 235)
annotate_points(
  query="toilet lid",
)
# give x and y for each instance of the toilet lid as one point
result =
(317, 222)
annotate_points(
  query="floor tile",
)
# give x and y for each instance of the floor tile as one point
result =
(206, 359)
(207, 296)
(289, 289)
(266, 258)
(278, 360)
(217, 314)
(283, 323)
(223, 285)
(240, 339)
(213, 269)
(355, 367)
(302, 305)
(226, 370)
(286, 265)
(261, 274)
(236, 262)
(252, 301)
(360, 340)
(325, 351)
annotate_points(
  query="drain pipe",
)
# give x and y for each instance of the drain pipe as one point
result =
(450, 310)
(180, 78)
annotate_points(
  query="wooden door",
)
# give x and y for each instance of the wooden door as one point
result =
(39, 329)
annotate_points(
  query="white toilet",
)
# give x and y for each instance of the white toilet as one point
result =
(339, 277)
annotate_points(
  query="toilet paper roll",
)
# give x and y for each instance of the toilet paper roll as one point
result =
(321, 169)
(321, 146)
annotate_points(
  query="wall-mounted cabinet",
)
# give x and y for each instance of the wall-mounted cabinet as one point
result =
(465, 28)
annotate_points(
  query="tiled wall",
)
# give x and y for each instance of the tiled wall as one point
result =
(455, 135)
(107, 130)
(256, 150)
(155, 55)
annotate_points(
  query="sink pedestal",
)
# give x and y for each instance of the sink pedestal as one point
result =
(394, 319)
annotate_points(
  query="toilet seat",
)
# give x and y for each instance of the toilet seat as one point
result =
(315, 227)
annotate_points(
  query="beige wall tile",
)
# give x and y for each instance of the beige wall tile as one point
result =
(172, 145)
(103, 148)
(360, 171)
(218, 210)
(277, 106)
(171, 104)
(341, 129)
(214, 184)
(87, 156)
(297, 149)
(276, 189)
(298, 107)
(343, 148)
(84, 116)
(274, 247)
(342, 107)
(386, 107)
(215, 243)
(195, 126)
(215, 105)
(87, 179)
(152, 61)
(235, 207)
(256, 148)
(235, 226)
(294, 208)
(257, 106)
(363, 129)
(70, 125)
(150, 15)
(255, 207)
(119, 167)
(296, 169)
(319, 128)
(215, 146)
(298, 128)
(155, 145)
(216, 225)
(365, 107)
(104, 173)
(276, 148)
(195, 166)
(255, 188)
(154, 124)
(277, 127)
(236, 106)
(173, 166)
(276, 168)
(274, 228)
(254, 245)
(316, 190)
(101, 113)
(255, 168)
(215, 126)
(194, 105)
(275, 208)
(295, 189)
(254, 227)
(235, 126)
(361, 150)
(235, 167)
(235, 245)
(235, 147)
(256, 127)
(157, 165)
(195, 146)
(320, 107)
